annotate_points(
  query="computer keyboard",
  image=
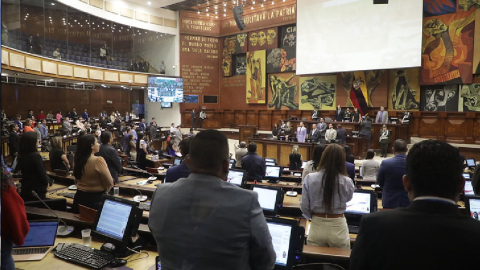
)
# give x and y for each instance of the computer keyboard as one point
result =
(86, 256)
(353, 229)
(69, 195)
(144, 206)
(33, 250)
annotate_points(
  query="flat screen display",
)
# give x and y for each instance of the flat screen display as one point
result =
(359, 204)
(266, 197)
(474, 207)
(272, 171)
(281, 241)
(270, 163)
(190, 98)
(165, 89)
(470, 162)
(269, 160)
(166, 105)
(468, 188)
(41, 233)
(466, 176)
(113, 219)
(235, 177)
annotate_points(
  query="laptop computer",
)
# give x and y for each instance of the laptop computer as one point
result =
(39, 241)
(362, 203)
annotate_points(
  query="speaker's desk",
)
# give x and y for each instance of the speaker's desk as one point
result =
(50, 262)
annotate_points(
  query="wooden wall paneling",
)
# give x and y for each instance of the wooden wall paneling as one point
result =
(272, 152)
(283, 154)
(261, 148)
(429, 126)
(415, 123)
(476, 130)
(455, 128)
(265, 120)
(252, 118)
(469, 130)
(240, 118)
(228, 119)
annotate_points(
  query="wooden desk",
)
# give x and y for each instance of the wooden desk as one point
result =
(327, 252)
(50, 262)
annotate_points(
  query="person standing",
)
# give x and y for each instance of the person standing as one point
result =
(240, 153)
(85, 114)
(301, 133)
(382, 116)
(356, 115)
(67, 128)
(295, 159)
(202, 116)
(44, 130)
(193, 117)
(389, 177)
(384, 140)
(143, 125)
(341, 134)
(253, 164)
(41, 116)
(14, 141)
(227, 229)
(330, 134)
(314, 134)
(409, 238)
(56, 54)
(110, 155)
(162, 68)
(315, 115)
(312, 165)
(370, 166)
(324, 200)
(181, 171)
(339, 113)
(59, 116)
(366, 131)
(322, 127)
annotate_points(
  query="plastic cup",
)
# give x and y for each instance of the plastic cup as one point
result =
(116, 191)
(86, 237)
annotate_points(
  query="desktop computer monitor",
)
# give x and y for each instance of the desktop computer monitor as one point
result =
(270, 199)
(466, 176)
(287, 239)
(232, 161)
(236, 177)
(271, 160)
(472, 204)
(470, 162)
(270, 163)
(273, 173)
(468, 189)
(230, 166)
(117, 221)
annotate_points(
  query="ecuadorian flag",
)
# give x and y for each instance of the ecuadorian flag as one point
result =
(359, 93)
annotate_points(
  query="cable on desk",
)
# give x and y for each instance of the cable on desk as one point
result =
(141, 252)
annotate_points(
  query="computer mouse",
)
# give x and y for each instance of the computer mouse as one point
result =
(118, 262)
(292, 193)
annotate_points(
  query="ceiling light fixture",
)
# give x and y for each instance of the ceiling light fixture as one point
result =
(149, 3)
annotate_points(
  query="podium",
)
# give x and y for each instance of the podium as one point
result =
(246, 131)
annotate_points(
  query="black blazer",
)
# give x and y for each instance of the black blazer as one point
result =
(339, 116)
(14, 141)
(342, 135)
(425, 235)
(34, 176)
(113, 160)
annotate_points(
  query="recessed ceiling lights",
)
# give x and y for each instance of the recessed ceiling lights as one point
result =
(149, 3)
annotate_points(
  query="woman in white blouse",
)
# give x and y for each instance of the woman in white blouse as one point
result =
(370, 167)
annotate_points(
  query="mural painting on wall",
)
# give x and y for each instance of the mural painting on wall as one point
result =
(438, 7)
(288, 48)
(235, 44)
(256, 77)
(279, 60)
(466, 5)
(404, 90)
(317, 92)
(447, 50)
(439, 98)
(227, 65)
(263, 39)
(283, 91)
(470, 98)
(240, 64)
(476, 42)
(359, 87)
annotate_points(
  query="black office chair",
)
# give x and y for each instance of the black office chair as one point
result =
(319, 266)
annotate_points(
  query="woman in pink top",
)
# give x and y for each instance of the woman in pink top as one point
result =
(59, 116)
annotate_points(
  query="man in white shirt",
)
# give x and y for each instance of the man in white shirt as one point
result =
(330, 134)
(301, 133)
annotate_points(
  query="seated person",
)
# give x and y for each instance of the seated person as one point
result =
(80, 124)
(28, 125)
(67, 128)
(110, 155)
(182, 170)
(253, 164)
(58, 159)
(91, 173)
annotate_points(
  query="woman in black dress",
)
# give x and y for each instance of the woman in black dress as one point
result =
(295, 159)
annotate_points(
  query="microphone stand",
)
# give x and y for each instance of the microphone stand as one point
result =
(140, 198)
(63, 230)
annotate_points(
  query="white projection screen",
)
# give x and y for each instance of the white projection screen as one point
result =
(350, 35)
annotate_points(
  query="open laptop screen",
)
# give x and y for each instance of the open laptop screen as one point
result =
(235, 177)
(266, 197)
(468, 189)
(42, 233)
(360, 204)
(470, 162)
(473, 207)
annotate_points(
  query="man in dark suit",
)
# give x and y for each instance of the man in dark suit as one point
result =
(182, 170)
(143, 125)
(341, 134)
(429, 234)
(339, 114)
(314, 134)
(110, 155)
(253, 163)
(193, 116)
(389, 177)
(204, 222)
(366, 131)
(322, 127)
(14, 140)
(73, 114)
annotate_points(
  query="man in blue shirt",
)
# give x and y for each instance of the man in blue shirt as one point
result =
(253, 163)
(44, 130)
(182, 170)
(143, 125)
(85, 114)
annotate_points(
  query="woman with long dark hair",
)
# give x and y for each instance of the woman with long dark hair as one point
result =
(30, 162)
(324, 200)
(91, 173)
(141, 152)
(312, 165)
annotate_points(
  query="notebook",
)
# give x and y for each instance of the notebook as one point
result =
(39, 241)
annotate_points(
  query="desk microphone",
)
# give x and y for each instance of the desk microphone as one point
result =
(63, 230)
(140, 198)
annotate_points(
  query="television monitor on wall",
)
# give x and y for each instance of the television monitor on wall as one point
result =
(165, 89)
(166, 104)
(190, 98)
